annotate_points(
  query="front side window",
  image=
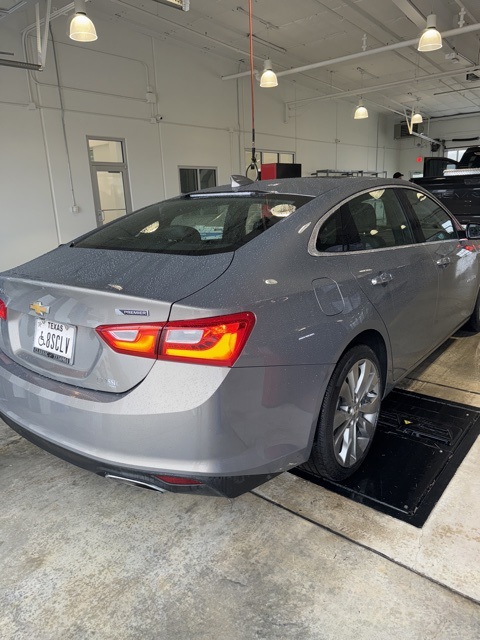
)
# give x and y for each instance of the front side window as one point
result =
(370, 221)
(196, 225)
(433, 221)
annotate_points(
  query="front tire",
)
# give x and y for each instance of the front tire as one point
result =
(349, 415)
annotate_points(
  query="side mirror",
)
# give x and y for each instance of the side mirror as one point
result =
(473, 231)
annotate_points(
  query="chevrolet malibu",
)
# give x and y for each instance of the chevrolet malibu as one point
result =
(212, 341)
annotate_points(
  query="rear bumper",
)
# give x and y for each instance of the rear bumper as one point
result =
(228, 486)
(232, 429)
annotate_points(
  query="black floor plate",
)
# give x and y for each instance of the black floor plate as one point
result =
(419, 444)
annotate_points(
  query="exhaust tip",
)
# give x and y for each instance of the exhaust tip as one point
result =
(135, 482)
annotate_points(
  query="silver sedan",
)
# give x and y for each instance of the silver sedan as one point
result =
(212, 341)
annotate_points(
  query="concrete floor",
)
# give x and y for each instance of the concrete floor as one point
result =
(84, 558)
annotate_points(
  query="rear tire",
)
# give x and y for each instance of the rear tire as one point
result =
(348, 417)
(474, 322)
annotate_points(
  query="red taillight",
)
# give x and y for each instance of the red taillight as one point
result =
(215, 341)
(132, 339)
(178, 481)
(3, 310)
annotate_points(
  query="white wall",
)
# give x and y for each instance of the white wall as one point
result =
(205, 121)
(447, 130)
(464, 127)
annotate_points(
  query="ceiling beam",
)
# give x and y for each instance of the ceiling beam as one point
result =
(381, 87)
(23, 4)
(412, 13)
(361, 54)
(183, 5)
(471, 7)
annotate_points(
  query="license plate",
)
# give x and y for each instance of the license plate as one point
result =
(55, 340)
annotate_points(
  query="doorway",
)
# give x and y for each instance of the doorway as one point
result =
(110, 183)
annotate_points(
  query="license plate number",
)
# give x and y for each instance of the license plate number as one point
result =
(55, 340)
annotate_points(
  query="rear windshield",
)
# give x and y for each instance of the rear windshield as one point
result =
(195, 225)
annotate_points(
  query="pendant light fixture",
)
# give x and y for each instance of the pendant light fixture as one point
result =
(417, 118)
(414, 118)
(82, 28)
(431, 39)
(269, 78)
(361, 111)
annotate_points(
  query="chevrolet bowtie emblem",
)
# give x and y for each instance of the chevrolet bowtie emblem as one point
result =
(39, 309)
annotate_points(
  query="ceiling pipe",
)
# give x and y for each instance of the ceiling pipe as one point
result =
(41, 43)
(423, 136)
(7, 12)
(31, 66)
(380, 87)
(361, 54)
(178, 25)
(456, 116)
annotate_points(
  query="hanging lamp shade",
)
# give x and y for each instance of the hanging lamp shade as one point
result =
(82, 28)
(431, 39)
(269, 78)
(417, 118)
(360, 112)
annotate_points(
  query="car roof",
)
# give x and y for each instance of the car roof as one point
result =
(313, 186)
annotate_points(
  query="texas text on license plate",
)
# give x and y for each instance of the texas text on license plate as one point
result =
(55, 340)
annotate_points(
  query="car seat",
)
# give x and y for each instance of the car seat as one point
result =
(365, 220)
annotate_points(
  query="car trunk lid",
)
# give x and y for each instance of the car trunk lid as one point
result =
(55, 303)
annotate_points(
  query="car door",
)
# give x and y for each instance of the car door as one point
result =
(455, 263)
(395, 272)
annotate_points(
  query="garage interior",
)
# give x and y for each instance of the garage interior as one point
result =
(161, 104)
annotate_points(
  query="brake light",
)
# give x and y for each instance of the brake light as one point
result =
(132, 339)
(3, 310)
(215, 341)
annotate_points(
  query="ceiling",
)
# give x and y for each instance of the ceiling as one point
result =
(303, 32)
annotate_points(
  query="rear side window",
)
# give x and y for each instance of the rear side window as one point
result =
(195, 225)
(435, 224)
(370, 221)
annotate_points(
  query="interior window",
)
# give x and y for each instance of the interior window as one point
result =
(265, 157)
(434, 222)
(194, 178)
(370, 221)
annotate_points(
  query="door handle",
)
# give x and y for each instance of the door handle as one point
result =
(443, 262)
(383, 278)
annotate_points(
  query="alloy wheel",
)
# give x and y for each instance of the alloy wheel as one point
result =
(356, 412)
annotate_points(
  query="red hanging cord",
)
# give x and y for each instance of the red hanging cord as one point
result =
(253, 163)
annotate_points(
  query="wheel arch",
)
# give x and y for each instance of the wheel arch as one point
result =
(376, 342)
(323, 459)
